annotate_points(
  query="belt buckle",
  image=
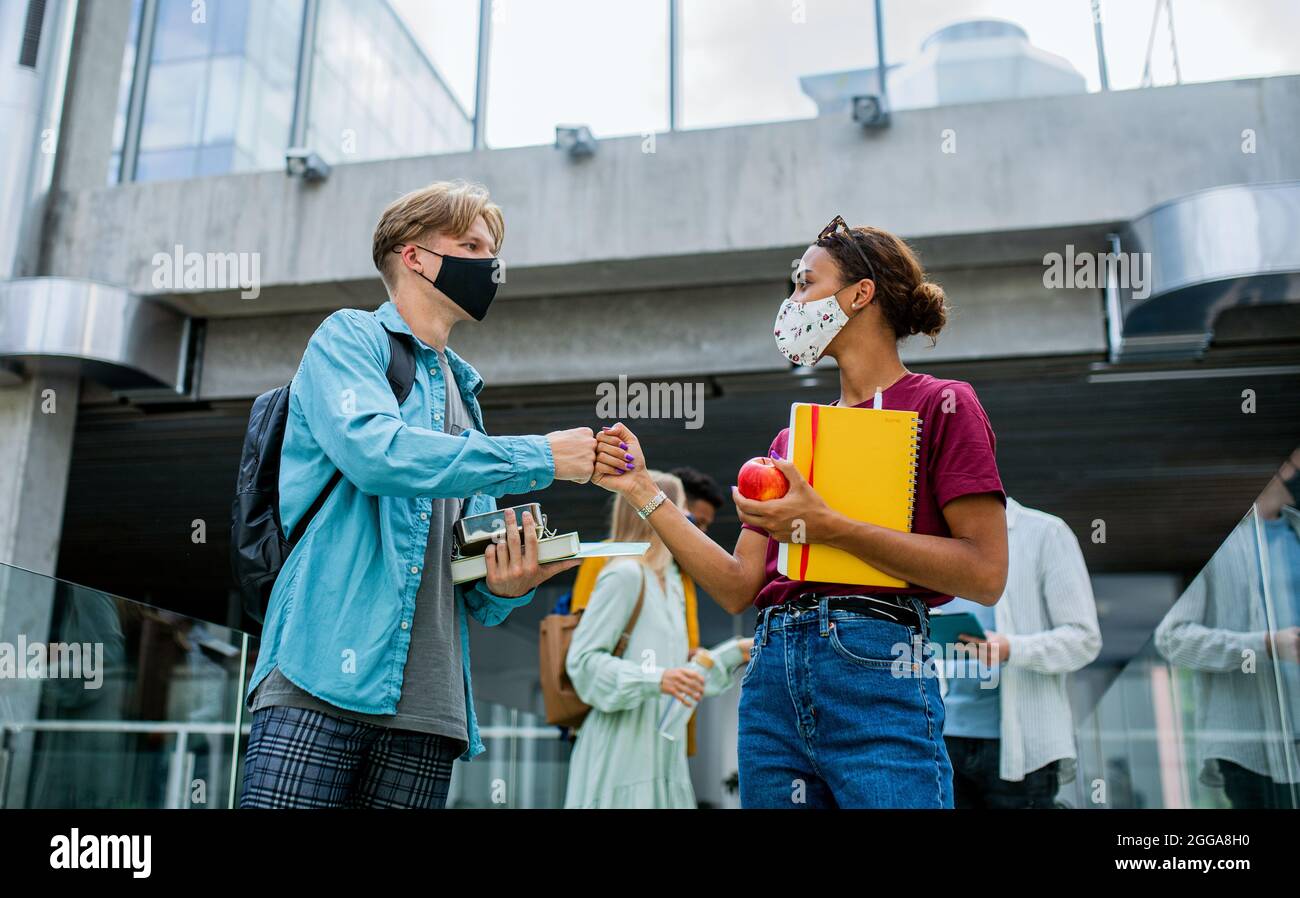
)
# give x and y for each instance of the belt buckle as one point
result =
(801, 606)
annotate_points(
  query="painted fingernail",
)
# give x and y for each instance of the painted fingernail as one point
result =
(631, 466)
(622, 445)
(630, 457)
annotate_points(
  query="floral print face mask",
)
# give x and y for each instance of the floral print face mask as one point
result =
(804, 329)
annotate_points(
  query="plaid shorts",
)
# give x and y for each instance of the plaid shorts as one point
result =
(308, 759)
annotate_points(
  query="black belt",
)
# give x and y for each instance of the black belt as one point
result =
(896, 609)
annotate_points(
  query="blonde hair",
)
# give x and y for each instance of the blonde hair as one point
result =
(625, 525)
(443, 207)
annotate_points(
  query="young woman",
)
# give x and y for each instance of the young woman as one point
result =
(620, 760)
(827, 716)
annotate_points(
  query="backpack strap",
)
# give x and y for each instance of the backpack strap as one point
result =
(626, 637)
(401, 365)
(401, 377)
(315, 507)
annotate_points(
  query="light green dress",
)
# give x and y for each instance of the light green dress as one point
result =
(619, 759)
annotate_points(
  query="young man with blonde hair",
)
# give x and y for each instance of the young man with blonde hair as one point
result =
(361, 696)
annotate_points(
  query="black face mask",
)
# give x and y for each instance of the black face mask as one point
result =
(469, 283)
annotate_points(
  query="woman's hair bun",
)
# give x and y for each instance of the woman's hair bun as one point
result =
(927, 313)
(909, 303)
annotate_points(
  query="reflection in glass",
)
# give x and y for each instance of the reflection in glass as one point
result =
(221, 88)
(1206, 715)
(375, 92)
(1222, 635)
(109, 703)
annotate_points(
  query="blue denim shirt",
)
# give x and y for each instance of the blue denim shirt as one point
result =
(338, 623)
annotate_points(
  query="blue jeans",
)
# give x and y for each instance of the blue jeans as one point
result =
(838, 709)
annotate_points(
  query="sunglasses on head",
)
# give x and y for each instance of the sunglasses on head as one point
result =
(834, 228)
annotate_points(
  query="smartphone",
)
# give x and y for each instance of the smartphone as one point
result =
(474, 533)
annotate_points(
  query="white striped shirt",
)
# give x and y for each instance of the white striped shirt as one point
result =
(1049, 617)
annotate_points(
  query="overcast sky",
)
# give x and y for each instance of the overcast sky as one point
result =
(604, 62)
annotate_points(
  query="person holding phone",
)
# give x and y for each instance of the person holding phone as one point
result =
(828, 715)
(361, 694)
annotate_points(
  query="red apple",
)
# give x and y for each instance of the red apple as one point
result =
(761, 479)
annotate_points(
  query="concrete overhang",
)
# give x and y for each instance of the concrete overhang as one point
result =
(1206, 254)
(707, 206)
(102, 332)
(769, 266)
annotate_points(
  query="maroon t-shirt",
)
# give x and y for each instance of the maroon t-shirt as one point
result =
(957, 458)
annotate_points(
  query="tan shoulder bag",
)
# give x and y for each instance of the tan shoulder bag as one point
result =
(563, 706)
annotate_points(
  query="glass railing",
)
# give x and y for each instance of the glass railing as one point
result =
(625, 67)
(110, 703)
(1205, 716)
(526, 764)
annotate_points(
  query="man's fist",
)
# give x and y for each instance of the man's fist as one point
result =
(574, 452)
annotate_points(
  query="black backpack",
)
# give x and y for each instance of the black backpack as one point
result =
(258, 544)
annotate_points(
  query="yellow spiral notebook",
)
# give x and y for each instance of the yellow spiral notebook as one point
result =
(862, 461)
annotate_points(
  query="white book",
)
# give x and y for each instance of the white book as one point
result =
(550, 548)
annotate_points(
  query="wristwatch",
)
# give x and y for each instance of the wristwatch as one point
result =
(648, 509)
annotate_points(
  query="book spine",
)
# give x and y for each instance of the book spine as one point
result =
(915, 449)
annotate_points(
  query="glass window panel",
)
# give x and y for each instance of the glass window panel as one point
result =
(214, 160)
(602, 64)
(742, 60)
(234, 86)
(220, 116)
(172, 111)
(447, 33)
(177, 36)
(229, 20)
(372, 75)
(165, 165)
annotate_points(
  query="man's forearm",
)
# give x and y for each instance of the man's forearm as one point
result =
(399, 460)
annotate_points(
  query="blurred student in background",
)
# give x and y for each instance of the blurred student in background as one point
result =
(1008, 726)
(619, 759)
(703, 499)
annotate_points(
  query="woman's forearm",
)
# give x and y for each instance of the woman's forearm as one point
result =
(945, 564)
(722, 575)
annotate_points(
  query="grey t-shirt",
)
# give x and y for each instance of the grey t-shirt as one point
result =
(433, 685)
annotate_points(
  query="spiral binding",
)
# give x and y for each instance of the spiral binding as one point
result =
(911, 487)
